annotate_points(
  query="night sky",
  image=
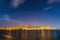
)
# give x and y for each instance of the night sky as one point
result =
(30, 12)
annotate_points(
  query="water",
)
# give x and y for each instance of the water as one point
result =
(30, 35)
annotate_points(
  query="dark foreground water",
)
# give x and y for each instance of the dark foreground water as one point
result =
(30, 35)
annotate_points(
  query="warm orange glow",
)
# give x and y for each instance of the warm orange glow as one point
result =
(8, 36)
(28, 28)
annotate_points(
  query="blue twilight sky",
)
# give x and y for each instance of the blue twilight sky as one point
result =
(30, 12)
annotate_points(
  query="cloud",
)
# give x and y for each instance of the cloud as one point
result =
(16, 3)
(53, 1)
(6, 17)
(47, 8)
(6, 20)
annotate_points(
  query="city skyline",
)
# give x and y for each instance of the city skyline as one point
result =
(30, 12)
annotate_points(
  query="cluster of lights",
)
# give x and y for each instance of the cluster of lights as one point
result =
(26, 27)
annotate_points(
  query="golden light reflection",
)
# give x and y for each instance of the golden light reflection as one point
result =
(9, 36)
(43, 33)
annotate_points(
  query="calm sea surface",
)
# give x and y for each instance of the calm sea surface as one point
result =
(30, 35)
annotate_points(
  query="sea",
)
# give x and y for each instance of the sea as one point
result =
(29, 34)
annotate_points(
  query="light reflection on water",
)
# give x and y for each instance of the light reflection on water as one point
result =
(30, 35)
